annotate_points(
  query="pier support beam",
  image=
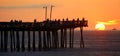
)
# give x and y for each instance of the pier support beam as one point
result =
(11, 41)
(18, 41)
(44, 40)
(23, 41)
(29, 41)
(57, 41)
(48, 39)
(62, 39)
(65, 38)
(53, 39)
(14, 48)
(72, 44)
(2, 43)
(5, 40)
(34, 48)
(39, 43)
(81, 39)
(70, 38)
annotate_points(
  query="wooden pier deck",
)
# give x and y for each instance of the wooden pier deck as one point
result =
(13, 35)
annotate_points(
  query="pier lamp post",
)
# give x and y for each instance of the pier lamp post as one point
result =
(51, 11)
(45, 12)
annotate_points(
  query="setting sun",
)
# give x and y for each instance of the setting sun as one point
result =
(100, 26)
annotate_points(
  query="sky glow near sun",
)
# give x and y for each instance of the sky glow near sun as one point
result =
(110, 22)
(101, 25)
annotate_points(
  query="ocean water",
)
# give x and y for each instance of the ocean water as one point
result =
(97, 43)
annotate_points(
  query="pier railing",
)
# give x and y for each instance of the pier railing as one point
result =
(21, 36)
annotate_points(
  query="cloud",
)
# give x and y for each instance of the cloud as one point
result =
(19, 7)
(110, 22)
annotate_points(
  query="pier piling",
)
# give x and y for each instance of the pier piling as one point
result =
(11, 39)
(70, 39)
(72, 44)
(65, 38)
(23, 41)
(34, 47)
(44, 40)
(81, 39)
(18, 41)
(62, 39)
(2, 41)
(5, 40)
(39, 42)
(29, 41)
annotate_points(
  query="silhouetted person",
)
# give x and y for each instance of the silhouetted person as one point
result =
(63, 20)
(11, 21)
(67, 19)
(58, 20)
(20, 21)
(35, 20)
(73, 22)
(78, 21)
(16, 21)
(47, 20)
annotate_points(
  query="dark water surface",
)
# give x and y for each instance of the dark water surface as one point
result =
(97, 43)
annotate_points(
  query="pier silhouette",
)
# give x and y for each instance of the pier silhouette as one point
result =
(13, 35)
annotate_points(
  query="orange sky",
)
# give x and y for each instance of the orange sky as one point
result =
(93, 10)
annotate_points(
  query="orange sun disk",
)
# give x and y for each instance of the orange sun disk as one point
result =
(100, 26)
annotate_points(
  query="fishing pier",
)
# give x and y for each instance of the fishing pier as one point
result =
(18, 36)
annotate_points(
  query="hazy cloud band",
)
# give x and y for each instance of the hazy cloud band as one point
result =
(19, 7)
